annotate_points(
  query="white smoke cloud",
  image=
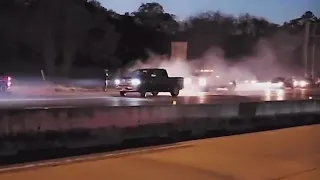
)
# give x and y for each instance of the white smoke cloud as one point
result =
(268, 61)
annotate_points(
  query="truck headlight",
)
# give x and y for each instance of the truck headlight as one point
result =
(116, 81)
(135, 82)
(202, 82)
(187, 81)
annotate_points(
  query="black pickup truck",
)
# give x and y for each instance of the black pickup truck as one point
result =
(149, 80)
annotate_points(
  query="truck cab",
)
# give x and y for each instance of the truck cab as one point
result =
(149, 80)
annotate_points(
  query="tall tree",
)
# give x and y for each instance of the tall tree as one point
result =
(207, 30)
(153, 15)
(45, 24)
(102, 39)
(77, 22)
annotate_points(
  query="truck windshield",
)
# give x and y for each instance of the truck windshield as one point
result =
(146, 73)
(133, 74)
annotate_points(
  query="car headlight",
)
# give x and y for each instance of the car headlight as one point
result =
(135, 82)
(202, 82)
(303, 83)
(187, 81)
(117, 82)
(295, 83)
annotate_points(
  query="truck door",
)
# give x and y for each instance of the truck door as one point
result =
(147, 79)
(161, 80)
(154, 81)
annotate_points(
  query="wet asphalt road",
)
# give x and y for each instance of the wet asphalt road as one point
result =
(91, 99)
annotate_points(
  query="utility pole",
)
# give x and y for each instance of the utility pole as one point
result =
(307, 37)
(314, 37)
(305, 47)
(313, 57)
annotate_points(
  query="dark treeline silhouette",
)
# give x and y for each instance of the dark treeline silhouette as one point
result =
(59, 34)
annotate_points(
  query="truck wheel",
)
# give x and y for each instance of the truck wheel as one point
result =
(143, 93)
(155, 93)
(175, 92)
(123, 93)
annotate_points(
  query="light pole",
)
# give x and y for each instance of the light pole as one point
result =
(314, 37)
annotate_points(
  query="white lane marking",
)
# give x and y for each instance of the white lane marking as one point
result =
(86, 158)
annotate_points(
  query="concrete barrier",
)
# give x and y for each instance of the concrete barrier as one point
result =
(74, 128)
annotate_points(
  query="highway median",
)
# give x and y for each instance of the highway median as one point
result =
(30, 131)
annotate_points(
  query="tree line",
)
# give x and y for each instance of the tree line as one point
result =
(59, 34)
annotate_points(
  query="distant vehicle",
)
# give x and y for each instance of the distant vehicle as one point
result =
(206, 79)
(281, 82)
(149, 80)
(5, 82)
(308, 82)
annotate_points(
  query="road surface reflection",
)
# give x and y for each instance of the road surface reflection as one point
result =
(185, 97)
(274, 95)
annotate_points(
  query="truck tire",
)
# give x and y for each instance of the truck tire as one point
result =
(175, 92)
(123, 93)
(143, 93)
(154, 93)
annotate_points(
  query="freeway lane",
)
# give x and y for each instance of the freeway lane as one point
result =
(81, 99)
(94, 100)
(289, 154)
